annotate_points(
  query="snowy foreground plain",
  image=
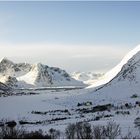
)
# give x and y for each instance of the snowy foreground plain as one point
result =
(115, 97)
(59, 108)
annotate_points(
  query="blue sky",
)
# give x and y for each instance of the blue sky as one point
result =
(72, 35)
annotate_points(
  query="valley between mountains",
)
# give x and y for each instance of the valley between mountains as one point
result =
(37, 96)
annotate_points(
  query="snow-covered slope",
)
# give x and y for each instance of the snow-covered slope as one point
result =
(43, 76)
(87, 77)
(124, 79)
(113, 72)
(23, 75)
(38, 75)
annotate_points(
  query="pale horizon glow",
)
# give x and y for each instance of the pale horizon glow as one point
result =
(73, 35)
(68, 57)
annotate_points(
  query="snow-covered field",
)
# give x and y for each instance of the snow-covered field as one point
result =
(57, 109)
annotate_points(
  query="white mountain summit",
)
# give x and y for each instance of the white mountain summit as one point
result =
(24, 75)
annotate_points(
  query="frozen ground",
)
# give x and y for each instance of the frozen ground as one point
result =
(56, 109)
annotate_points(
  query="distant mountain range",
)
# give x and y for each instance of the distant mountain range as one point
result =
(24, 75)
(124, 78)
(87, 77)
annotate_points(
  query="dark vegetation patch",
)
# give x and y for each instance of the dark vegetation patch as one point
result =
(11, 124)
(88, 103)
(18, 94)
(22, 122)
(97, 118)
(137, 122)
(83, 130)
(12, 130)
(78, 130)
(39, 112)
(66, 111)
(134, 96)
(50, 121)
(122, 112)
(124, 106)
(94, 109)
(108, 116)
(137, 103)
(59, 119)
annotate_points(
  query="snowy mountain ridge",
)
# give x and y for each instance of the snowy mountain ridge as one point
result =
(24, 75)
(114, 72)
(9, 68)
(123, 81)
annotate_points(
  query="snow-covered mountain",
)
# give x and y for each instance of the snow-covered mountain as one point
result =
(124, 79)
(24, 75)
(87, 77)
(42, 76)
(8, 68)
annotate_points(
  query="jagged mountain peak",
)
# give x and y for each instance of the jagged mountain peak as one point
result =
(7, 67)
(5, 60)
(34, 75)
